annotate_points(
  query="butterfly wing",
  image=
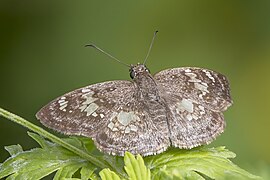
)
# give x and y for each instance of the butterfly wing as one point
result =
(206, 87)
(109, 114)
(195, 99)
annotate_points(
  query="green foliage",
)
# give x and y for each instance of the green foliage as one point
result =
(197, 163)
(107, 174)
(173, 164)
(40, 162)
(77, 158)
(135, 168)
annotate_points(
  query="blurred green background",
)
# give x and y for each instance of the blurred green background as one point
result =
(42, 56)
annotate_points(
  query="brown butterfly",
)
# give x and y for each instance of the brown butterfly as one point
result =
(180, 107)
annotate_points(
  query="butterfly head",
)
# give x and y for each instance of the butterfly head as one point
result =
(138, 69)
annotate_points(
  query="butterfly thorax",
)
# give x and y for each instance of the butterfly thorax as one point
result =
(144, 83)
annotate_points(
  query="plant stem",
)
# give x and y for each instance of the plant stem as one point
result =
(55, 139)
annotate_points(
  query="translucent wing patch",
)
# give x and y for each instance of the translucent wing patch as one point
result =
(203, 86)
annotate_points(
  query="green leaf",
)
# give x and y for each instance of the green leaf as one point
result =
(14, 149)
(67, 171)
(88, 172)
(40, 140)
(135, 167)
(198, 163)
(107, 174)
(40, 162)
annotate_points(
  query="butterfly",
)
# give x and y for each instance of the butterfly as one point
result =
(180, 107)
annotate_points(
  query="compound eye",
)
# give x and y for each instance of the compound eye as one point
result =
(132, 74)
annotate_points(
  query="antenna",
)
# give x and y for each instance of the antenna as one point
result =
(101, 50)
(149, 50)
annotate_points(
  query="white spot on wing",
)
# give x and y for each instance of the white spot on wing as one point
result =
(63, 107)
(91, 108)
(205, 84)
(185, 105)
(189, 117)
(82, 108)
(127, 130)
(110, 125)
(208, 74)
(94, 114)
(63, 103)
(85, 90)
(88, 105)
(201, 87)
(187, 70)
(201, 107)
(61, 100)
(193, 77)
(133, 128)
(89, 100)
(126, 117)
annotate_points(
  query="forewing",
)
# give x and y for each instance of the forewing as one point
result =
(109, 114)
(86, 110)
(205, 87)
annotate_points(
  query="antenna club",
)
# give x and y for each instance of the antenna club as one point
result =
(90, 45)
